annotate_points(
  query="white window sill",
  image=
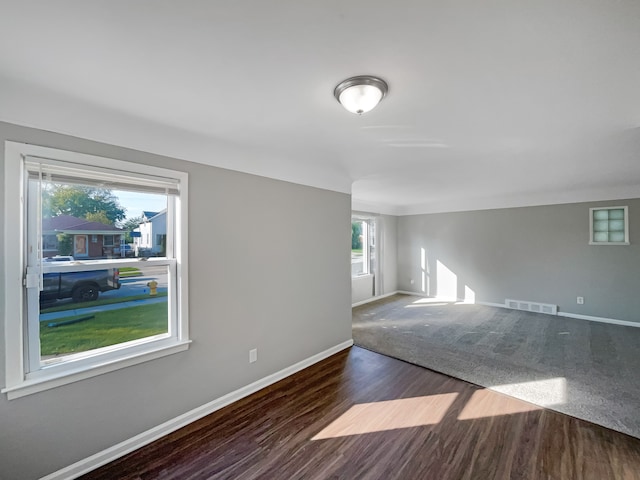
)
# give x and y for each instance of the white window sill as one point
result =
(609, 243)
(362, 275)
(31, 386)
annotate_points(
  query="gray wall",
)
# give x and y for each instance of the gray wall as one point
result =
(261, 275)
(532, 253)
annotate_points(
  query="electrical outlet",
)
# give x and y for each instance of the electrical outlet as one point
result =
(253, 355)
(580, 300)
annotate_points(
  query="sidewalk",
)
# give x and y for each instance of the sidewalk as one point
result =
(45, 317)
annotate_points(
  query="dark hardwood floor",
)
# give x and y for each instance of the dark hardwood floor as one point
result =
(360, 415)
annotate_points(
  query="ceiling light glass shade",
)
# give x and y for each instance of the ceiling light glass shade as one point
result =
(361, 94)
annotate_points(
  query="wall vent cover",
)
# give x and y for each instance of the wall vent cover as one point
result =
(532, 306)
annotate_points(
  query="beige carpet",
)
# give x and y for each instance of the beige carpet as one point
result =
(586, 369)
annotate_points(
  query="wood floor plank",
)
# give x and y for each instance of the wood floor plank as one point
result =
(360, 415)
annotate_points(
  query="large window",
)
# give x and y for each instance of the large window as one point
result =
(362, 246)
(86, 311)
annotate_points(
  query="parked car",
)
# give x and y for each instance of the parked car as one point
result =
(127, 248)
(59, 258)
(80, 286)
(143, 252)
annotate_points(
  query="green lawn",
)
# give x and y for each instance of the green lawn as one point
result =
(356, 250)
(126, 272)
(95, 303)
(106, 328)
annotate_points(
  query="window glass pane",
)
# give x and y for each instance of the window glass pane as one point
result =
(600, 237)
(616, 214)
(601, 214)
(95, 223)
(616, 225)
(616, 237)
(600, 226)
(85, 310)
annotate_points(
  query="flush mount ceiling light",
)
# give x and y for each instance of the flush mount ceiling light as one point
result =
(361, 94)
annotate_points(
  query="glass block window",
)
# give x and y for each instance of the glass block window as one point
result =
(609, 226)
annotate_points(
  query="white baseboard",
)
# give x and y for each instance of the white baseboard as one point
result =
(491, 304)
(373, 299)
(102, 458)
(420, 294)
(590, 318)
(578, 316)
(407, 292)
(440, 299)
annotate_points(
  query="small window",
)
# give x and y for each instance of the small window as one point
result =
(107, 241)
(49, 242)
(94, 238)
(609, 226)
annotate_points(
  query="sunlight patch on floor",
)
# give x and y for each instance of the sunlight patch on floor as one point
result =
(548, 392)
(429, 301)
(433, 304)
(389, 415)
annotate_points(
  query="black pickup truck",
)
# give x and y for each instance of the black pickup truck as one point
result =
(80, 286)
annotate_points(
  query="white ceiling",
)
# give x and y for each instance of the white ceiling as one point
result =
(491, 104)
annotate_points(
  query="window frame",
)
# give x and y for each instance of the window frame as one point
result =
(626, 225)
(368, 241)
(17, 382)
(104, 242)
